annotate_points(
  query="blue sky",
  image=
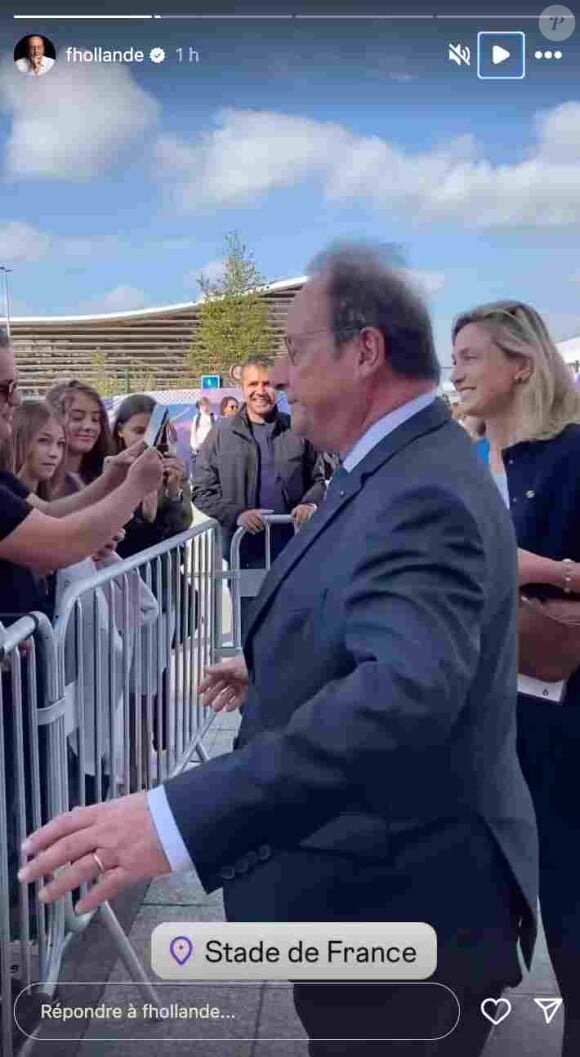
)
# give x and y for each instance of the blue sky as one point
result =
(119, 183)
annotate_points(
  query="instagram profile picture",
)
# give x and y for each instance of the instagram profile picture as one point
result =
(34, 55)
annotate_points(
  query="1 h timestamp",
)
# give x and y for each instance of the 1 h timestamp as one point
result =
(187, 55)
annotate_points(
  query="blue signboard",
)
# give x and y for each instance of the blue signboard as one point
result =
(211, 381)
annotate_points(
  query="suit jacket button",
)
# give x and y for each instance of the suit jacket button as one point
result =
(252, 858)
(227, 873)
(242, 865)
(530, 494)
(264, 852)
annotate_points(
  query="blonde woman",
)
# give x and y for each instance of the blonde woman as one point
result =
(509, 373)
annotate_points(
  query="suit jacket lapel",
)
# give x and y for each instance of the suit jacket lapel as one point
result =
(425, 421)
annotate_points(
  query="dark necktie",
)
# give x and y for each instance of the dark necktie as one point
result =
(337, 482)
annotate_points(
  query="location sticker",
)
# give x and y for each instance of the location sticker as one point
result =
(181, 948)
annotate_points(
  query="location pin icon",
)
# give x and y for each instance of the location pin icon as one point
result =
(181, 948)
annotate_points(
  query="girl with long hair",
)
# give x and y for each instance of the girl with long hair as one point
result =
(163, 514)
(39, 447)
(166, 513)
(88, 434)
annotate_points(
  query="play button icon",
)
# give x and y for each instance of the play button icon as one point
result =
(499, 54)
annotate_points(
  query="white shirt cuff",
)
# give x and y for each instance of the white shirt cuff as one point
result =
(168, 831)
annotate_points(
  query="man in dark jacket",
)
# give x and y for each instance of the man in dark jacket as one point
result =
(253, 463)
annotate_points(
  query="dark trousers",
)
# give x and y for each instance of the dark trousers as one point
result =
(457, 881)
(549, 751)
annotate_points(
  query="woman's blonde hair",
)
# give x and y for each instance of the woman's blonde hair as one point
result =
(29, 418)
(548, 400)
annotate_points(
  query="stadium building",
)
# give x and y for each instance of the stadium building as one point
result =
(152, 341)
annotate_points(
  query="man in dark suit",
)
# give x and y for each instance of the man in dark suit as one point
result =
(376, 779)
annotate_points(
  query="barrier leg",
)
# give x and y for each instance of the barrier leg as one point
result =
(126, 952)
(202, 752)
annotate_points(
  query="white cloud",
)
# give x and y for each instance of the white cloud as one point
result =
(454, 181)
(429, 283)
(21, 243)
(122, 298)
(75, 123)
(212, 271)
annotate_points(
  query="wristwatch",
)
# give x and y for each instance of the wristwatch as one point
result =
(567, 562)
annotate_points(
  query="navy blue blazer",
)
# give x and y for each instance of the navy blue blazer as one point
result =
(382, 660)
(544, 490)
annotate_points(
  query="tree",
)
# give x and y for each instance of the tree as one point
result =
(103, 379)
(234, 320)
(133, 378)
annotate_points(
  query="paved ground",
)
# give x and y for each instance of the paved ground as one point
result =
(265, 1017)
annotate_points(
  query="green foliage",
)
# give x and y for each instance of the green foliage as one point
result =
(133, 378)
(234, 320)
(105, 381)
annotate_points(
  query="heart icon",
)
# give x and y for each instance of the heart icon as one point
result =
(496, 1009)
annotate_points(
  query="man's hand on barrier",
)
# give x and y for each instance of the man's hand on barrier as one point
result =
(120, 835)
(252, 521)
(146, 473)
(225, 685)
(302, 513)
(116, 467)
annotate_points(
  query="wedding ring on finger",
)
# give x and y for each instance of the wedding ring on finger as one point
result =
(99, 863)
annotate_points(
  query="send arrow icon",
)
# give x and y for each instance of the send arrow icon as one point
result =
(549, 1007)
(499, 54)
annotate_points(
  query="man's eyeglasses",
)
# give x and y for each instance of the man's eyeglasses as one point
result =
(8, 390)
(293, 353)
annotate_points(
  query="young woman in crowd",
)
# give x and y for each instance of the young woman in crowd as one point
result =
(509, 373)
(39, 446)
(202, 425)
(37, 536)
(167, 512)
(229, 407)
(40, 535)
(88, 435)
(163, 514)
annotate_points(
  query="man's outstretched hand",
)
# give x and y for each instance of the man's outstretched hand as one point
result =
(225, 685)
(121, 833)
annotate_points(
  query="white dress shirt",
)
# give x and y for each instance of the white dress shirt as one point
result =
(167, 830)
(25, 66)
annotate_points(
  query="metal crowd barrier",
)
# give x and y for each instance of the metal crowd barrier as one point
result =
(105, 703)
(246, 583)
(134, 640)
(32, 791)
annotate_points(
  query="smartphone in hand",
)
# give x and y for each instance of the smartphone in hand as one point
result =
(157, 426)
